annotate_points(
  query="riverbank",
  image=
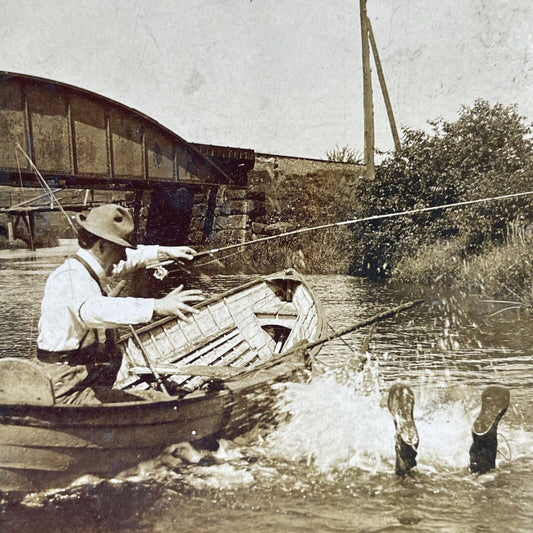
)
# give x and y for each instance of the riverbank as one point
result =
(502, 271)
(65, 248)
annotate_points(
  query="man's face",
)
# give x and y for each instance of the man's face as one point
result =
(115, 254)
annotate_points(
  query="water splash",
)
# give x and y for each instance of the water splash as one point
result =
(335, 425)
(338, 425)
(325, 423)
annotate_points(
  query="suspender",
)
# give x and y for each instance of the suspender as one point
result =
(109, 333)
(91, 272)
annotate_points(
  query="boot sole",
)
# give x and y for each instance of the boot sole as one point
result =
(494, 404)
(401, 402)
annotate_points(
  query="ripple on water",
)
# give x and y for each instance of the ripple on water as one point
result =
(328, 464)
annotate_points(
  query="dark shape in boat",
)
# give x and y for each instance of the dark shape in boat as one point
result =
(494, 403)
(401, 403)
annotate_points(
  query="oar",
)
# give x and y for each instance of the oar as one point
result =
(358, 325)
(148, 361)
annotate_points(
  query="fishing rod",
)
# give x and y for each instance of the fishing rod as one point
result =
(46, 187)
(158, 266)
(300, 231)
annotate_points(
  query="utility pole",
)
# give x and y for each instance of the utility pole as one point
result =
(370, 171)
(385, 92)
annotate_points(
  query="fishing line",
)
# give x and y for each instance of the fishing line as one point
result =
(32, 244)
(506, 457)
(356, 220)
(47, 188)
(26, 216)
(342, 339)
(511, 308)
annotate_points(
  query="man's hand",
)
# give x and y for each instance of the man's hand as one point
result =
(175, 303)
(177, 253)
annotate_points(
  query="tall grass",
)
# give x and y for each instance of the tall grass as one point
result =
(506, 270)
(317, 252)
(502, 270)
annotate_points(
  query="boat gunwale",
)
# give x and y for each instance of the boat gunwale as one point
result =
(284, 274)
(163, 404)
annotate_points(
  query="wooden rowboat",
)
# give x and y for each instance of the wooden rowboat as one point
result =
(219, 369)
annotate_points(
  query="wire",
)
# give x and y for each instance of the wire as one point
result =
(47, 188)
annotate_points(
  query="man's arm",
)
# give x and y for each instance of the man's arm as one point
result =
(145, 255)
(177, 253)
(109, 312)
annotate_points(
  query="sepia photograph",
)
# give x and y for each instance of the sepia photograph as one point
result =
(266, 265)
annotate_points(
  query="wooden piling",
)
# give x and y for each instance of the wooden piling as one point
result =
(367, 95)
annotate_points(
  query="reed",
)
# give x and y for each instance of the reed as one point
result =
(322, 252)
(506, 270)
(498, 270)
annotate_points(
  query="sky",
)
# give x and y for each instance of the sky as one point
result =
(278, 76)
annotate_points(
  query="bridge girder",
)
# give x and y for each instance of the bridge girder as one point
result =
(79, 139)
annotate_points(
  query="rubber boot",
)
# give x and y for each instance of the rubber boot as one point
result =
(401, 403)
(494, 403)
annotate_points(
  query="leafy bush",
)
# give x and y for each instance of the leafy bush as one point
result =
(487, 152)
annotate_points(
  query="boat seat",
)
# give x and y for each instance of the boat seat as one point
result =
(276, 309)
(24, 382)
(276, 314)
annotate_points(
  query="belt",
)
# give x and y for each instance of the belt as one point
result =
(81, 356)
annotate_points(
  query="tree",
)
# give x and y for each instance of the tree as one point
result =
(486, 152)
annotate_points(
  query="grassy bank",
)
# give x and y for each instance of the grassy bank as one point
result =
(503, 271)
(320, 252)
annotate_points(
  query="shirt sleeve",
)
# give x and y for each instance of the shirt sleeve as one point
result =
(108, 312)
(136, 258)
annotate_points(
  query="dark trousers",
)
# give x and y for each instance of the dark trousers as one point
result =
(81, 377)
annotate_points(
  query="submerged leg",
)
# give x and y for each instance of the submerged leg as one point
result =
(401, 403)
(494, 403)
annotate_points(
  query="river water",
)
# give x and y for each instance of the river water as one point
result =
(328, 465)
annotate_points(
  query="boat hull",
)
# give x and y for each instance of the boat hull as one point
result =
(43, 447)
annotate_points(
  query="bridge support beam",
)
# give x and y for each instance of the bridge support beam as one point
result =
(10, 233)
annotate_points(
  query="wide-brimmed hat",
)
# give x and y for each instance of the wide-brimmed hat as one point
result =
(111, 222)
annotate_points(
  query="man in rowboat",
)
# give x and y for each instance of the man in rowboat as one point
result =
(79, 313)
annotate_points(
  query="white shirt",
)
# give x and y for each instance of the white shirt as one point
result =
(73, 307)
